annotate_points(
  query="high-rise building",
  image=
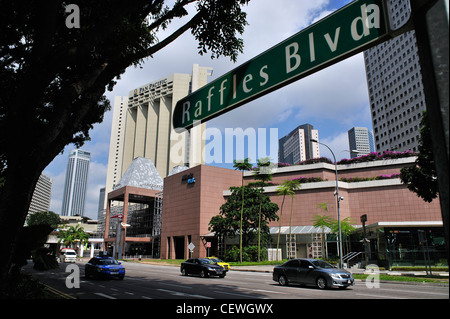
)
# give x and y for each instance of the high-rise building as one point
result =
(101, 203)
(75, 185)
(148, 130)
(360, 139)
(395, 87)
(114, 170)
(40, 202)
(297, 146)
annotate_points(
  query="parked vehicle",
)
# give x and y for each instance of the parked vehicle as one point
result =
(68, 255)
(104, 267)
(312, 272)
(203, 267)
(219, 262)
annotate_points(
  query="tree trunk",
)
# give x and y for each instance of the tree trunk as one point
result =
(15, 198)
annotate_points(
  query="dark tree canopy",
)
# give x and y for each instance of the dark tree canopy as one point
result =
(421, 178)
(53, 77)
(227, 223)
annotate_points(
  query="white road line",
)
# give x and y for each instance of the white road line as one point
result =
(234, 294)
(175, 285)
(177, 293)
(381, 297)
(104, 296)
(270, 291)
(251, 289)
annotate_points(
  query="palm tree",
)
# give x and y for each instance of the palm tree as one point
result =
(263, 173)
(284, 189)
(346, 228)
(322, 221)
(73, 235)
(292, 185)
(242, 165)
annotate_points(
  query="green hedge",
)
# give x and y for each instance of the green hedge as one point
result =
(249, 253)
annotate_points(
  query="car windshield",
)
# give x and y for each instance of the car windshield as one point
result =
(70, 253)
(322, 264)
(206, 261)
(109, 262)
(216, 260)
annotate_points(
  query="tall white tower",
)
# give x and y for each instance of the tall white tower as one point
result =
(75, 185)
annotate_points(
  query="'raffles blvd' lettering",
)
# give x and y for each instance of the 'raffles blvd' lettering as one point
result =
(348, 31)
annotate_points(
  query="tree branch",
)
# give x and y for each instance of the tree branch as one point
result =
(155, 48)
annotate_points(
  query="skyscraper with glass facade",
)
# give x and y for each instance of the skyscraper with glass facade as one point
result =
(394, 80)
(75, 185)
(360, 139)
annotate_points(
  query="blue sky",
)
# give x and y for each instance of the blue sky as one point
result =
(332, 100)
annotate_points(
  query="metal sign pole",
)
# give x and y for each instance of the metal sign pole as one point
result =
(431, 27)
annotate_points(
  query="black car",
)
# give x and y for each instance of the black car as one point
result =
(104, 267)
(312, 272)
(203, 267)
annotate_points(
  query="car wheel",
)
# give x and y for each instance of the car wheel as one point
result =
(203, 274)
(282, 280)
(184, 272)
(321, 283)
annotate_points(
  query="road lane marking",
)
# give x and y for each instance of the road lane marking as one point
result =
(270, 291)
(182, 294)
(251, 289)
(104, 296)
(234, 294)
(175, 285)
(381, 297)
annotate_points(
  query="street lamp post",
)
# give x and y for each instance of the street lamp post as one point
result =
(338, 199)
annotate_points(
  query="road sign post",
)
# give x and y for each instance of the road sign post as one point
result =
(350, 30)
(191, 247)
(430, 19)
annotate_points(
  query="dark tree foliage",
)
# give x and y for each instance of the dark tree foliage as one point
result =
(53, 77)
(421, 178)
(44, 218)
(227, 223)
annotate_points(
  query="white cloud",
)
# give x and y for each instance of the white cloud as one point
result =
(338, 144)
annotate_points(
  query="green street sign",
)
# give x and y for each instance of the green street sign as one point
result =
(350, 30)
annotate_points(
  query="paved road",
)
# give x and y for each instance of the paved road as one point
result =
(143, 281)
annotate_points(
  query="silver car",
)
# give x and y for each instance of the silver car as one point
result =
(312, 272)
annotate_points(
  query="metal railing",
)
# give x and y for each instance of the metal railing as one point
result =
(346, 259)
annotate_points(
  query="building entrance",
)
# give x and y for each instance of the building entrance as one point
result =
(179, 247)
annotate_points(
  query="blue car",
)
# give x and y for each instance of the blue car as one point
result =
(104, 267)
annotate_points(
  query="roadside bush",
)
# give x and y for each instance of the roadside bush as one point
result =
(249, 253)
